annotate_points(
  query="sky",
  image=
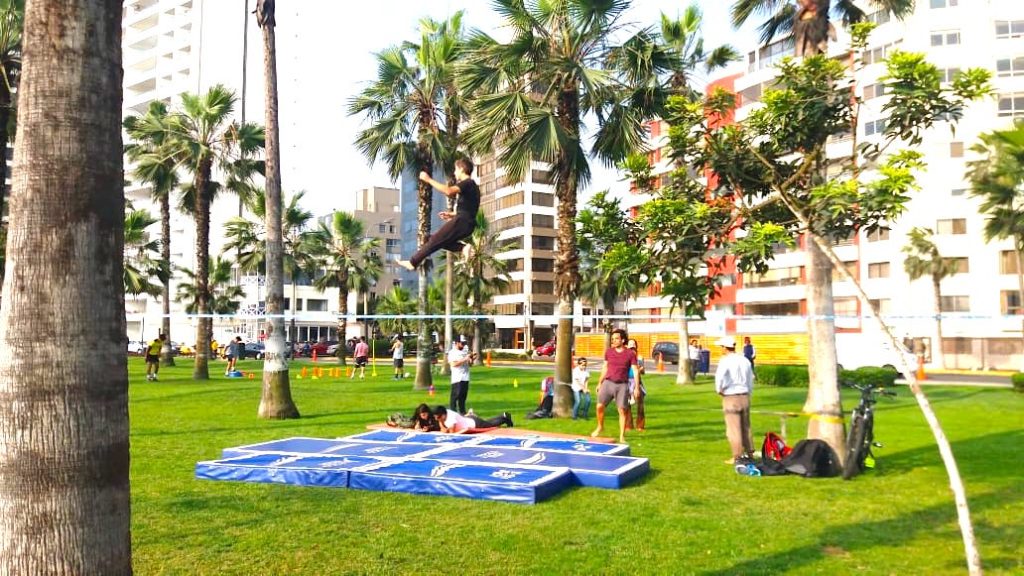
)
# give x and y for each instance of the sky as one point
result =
(331, 58)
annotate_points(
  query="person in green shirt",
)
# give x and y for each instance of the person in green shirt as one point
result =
(153, 357)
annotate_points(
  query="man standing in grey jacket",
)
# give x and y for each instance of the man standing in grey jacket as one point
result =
(734, 380)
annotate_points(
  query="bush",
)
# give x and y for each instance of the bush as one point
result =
(782, 375)
(1018, 382)
(885, 377)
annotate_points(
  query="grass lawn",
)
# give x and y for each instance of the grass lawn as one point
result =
(691, 515)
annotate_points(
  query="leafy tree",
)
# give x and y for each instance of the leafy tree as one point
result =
(480, 277)
(225, 296)
(923, 259)
(531, 96)
(398, 303)
(64, 437)
(348, 257)
(997, 179)
(407, 106)
(141, 256)
(156, 167)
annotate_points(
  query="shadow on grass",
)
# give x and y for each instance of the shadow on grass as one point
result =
(974, 456)
(890, 533)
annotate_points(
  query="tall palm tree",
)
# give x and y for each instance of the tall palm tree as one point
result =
(141, 255)
(997, 179)
(247, 240)
(480, 276)
(808, 20)
(70, 515)
(396, 302)
(407, 107)
(225, 297)
(12, 15)
(158, 169)
(923, 259)
(203, 136)
(347, 256)
(531, 97)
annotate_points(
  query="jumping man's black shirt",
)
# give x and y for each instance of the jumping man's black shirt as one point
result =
(469, 199)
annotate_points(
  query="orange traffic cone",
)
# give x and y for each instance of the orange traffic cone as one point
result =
(431, 389)
(251, 376)
(488, 361)
(920, 368)
(314, 355)
(303, 373)
(348, 372)
(661, 362)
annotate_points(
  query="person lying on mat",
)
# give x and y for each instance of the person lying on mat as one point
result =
(454, 423)
(424, 421)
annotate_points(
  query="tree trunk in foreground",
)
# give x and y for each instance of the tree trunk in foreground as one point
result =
(276, 395)
(166, 354)
(204, 324)
(824, 405)
(64, 458)
(424, 343)
(683, 375)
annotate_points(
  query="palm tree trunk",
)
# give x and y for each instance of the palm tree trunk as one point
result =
(166, 353)
(201, 370)
(449, 279)
(937, 355)
(684, 374)
(64, 458)
(343, 321)
(276, 395)
(424, 345)
(567, 258)
(823, 405)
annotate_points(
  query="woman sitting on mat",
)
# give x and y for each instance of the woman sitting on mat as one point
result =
(424, 421)
(454, 423)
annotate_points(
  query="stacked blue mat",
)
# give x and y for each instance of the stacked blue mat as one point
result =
(505, 468)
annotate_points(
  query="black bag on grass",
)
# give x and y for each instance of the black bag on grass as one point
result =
(812, 459)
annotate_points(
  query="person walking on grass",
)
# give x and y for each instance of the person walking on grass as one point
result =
(153, 357)
(734, 381)
(614, 382)
(460, 359)
(460, 224)
(235, 351)
(398, 356)
(362, 354)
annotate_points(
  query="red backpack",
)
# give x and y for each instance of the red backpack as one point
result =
(774, 448)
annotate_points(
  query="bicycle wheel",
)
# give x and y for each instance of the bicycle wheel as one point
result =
(856, 446)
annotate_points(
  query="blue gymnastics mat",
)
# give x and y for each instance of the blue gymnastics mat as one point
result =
(413, 436)
(538, 443)
(339, 446)
(594, 470)
(522, 484)
(305, 470)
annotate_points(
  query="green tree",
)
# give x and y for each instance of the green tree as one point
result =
(349, 259)
(923, 259)
(12, 15)
(225, 296)
(531, 96)
(142, 261)
(157, 168)
(997, 179)
(407, 107)
(203, 136)
(71, 515)
(480, 277)
(398, 303)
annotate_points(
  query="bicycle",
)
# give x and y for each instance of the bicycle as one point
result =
(861, 437)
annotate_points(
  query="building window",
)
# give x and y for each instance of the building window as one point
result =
(1012, 105)
(1009, 303)
(883, 305)
(956, 346)
(543, 199)
(851, 269)
(315, 305)
(1010, 66)
(513, 287)
(512, 200)
(543, 265)
(955, 304)
(845, 307)
(942, 3)
(1007, 262)
(508, 222)
(874, 91)
(951, 226)
(543, 221)
(543, 308)
(956, 149)
(509, 309)
(880, 17)
(1009, 28)
(958, 191)
(958, 265)
(949, 74)
(382, 228)
(750, 95)
(510, 244)
(881, 53)
(542, 177)
(543, 243)
(945, 38)
(543, 287)
(514, 265)
(874, 127)
(878, 270)
(392, 245)
(775, 277)
(772, 309)
(878, 235)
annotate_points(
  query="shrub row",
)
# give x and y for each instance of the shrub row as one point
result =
(793, 376)
(1018, 382)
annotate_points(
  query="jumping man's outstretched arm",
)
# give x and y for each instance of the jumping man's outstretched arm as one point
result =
(445, 189)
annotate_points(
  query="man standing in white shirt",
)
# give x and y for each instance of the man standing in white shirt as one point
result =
(460, 359)
(734, 381)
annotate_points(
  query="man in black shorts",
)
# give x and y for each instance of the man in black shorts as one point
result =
(459, 225)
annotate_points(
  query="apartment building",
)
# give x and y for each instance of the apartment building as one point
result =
(980, 302)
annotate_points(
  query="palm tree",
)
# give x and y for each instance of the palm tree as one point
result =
(808, 20)
(396, 302)
(408, 107)
(201, 137)
(155, 167)
(531, 97)
(923, 259)
(224, 296)
(348, 256)
(997, 179)
(247, 240)
(12, 15)
(70, 515)
(141, 255)
(480, 277)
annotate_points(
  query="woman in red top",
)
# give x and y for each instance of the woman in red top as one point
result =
(614, 382)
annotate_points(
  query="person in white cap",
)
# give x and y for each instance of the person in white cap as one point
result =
(734, 381)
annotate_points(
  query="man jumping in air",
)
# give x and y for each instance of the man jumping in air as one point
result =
(459, 225)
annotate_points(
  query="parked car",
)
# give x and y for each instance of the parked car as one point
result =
(186, 350)
(669, 352)
(137, 347)
(253, 350)
(320, 348)
(546, 349)
(332, 350)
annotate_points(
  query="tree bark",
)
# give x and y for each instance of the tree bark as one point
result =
(937, 355)
(64, 454)
(276, 396)
(343, 321)
(201, 369)
(166, 352)
(424, 344)
(566, 259)
(823, 405)
(683, 375)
